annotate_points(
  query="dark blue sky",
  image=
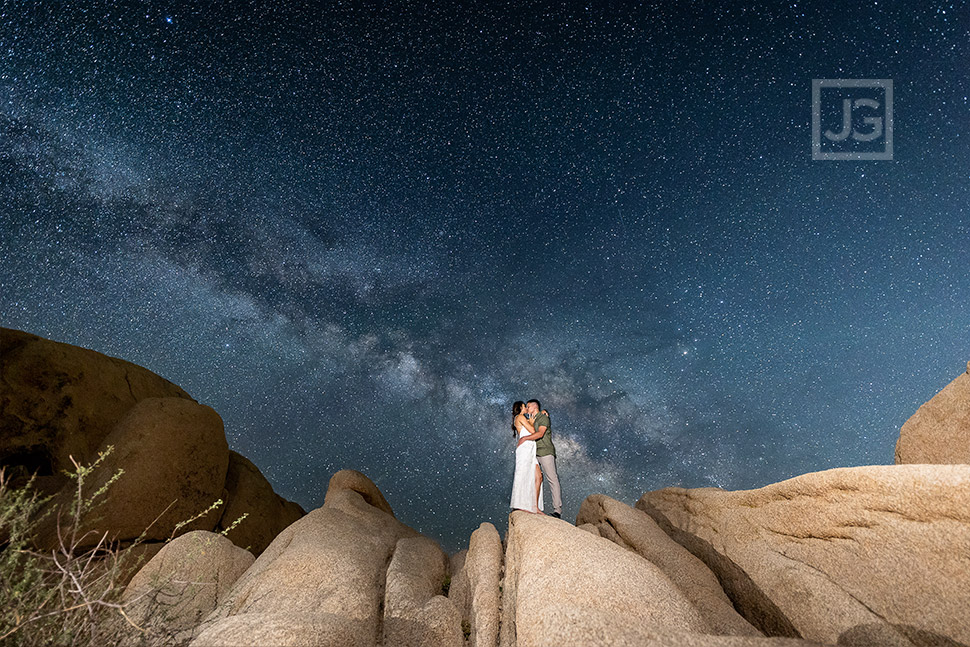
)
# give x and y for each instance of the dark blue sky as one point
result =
(359, 232)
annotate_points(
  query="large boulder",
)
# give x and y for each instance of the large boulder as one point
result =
(457, 562)
(635, 530)
(133, 558)
(171, 595)
(415, 612)
(249, 493)
(661, 638)
(346, 481)
(939, 431)
(173, 456)
(475, 587)
(863, 556)
(283, 629)
(564, 586)
(59, 401)
(321, 580)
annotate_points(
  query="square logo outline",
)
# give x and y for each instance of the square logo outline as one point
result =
(817, 85)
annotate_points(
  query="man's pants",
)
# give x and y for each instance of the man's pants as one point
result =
(548, 466)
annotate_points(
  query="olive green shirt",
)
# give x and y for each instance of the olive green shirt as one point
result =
(544, 446)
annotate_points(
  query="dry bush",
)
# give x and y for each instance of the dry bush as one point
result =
(72, 595)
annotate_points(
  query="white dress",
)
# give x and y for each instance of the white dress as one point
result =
(524, 481)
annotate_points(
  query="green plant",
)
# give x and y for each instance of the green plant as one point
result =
(55, 597)
(20, 574)
(72, 594)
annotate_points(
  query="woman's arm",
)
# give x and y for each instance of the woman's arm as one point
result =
(534, 434)
(528, 425)
(522, 420)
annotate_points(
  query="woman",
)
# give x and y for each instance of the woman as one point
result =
(527, 482)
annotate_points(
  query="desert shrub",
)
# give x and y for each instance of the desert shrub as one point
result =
(70, 595)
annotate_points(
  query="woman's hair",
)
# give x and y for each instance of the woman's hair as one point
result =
(517, 407)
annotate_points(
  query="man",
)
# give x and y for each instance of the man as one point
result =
(545, 452)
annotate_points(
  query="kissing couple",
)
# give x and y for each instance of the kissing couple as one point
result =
(535, 458)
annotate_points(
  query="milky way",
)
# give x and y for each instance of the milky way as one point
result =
(359, 232)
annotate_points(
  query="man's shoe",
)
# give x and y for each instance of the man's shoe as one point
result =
(556, 515)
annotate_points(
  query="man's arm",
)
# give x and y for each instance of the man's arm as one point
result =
(539, 433)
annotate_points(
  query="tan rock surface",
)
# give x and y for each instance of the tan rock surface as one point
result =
(354, 481)
(183, 583)
(867, 555)
(939, 431)
(287, 629)
(456, 563)
(174, 455)
(651, 638)
(329, 566)
(635, 530)
(590, 528)
(250, 493)
(564, 586)
(415, 613)
(414, 576)
(475, 589)
(59, 400)
(134, 558)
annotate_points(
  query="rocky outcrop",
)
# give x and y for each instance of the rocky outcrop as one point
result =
(133, 559)
(415, 612)
(939, 431)
(346, 481)
(563, 586)
(590, 528)
(635, 530)
(288, 630)
(59, 400)
(456, 563)
(173, 456)
(171, 595)
(322, 580)
(349, 574)
(860, 556)
(856, 557)
(60, 404)
(249, 493)
(476, 587)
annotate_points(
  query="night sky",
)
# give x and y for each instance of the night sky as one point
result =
(359, 232)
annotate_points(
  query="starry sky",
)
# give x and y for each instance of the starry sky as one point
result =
(359, 231)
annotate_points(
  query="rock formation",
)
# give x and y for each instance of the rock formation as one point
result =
(475, 587)
(939, 431)
(267, 513)
(415, 612)
(59, 402)
(350, 574)
(861, 556)
(182, 584)
(563, 585)
(635, 530)
(174, 456)
(324, 579)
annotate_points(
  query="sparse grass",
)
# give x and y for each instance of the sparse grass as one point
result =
(70, 595)
(446, 585)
